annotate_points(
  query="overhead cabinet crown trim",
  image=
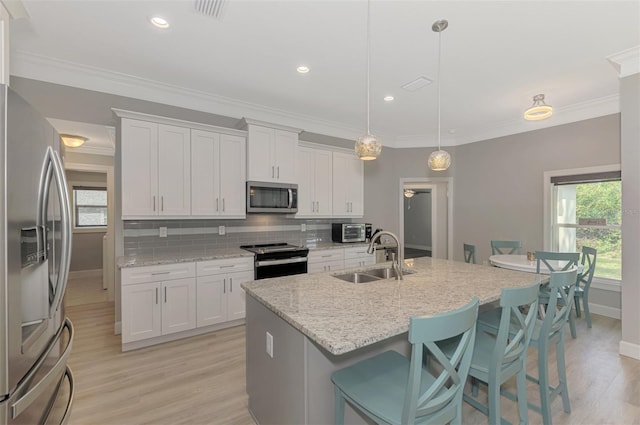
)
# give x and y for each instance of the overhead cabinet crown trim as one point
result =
(245, 122)
(141, 116)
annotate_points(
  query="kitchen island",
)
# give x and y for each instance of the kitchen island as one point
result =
(301, 328)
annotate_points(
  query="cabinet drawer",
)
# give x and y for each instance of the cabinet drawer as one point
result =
(325, 255)
(133, 275)
(226, 265)
(356, 252)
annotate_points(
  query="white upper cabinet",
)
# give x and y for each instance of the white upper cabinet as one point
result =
(314, 182)
(217, 174)
(176, 169)
(139, 168)
(271, 152)
(348, 185)
(155, 169)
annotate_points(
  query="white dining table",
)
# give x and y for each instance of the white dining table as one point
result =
(521, 263)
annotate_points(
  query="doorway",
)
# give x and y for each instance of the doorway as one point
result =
(426, 217)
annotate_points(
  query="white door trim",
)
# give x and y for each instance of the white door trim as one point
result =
(427, 183)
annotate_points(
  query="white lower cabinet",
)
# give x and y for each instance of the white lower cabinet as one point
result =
(220, 297)
(158, 300)
(357, 256)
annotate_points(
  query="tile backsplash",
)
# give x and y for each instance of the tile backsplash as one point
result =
(142, 238)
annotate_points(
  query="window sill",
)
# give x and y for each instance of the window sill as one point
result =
(606, 284)
(89, 230)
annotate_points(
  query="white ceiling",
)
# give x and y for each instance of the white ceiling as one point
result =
(496, 56)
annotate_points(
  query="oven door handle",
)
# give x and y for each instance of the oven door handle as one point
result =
(290, 191)
(279, 262)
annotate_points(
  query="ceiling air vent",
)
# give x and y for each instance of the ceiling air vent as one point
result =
(417, 84)
(212, 8)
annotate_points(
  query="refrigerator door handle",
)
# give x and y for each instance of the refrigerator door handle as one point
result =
(65, 231)
(54, 373)
(67, 412)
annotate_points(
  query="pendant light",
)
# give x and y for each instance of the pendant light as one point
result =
(409, 193)
(539, 110)
(439, 160)
(368, 147)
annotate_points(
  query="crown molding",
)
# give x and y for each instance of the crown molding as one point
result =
(57, 71)
(67, 73)
(626, 62)
(606, 105)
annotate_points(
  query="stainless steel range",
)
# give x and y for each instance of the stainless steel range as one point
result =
(278, 259)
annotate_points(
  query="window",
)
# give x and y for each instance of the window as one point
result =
(89, 206)
(587, 212)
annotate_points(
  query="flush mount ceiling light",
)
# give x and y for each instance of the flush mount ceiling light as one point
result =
(159, 22)
(409, 193)
(539, 110)
(302, 69)
(368, 147)
(439, 160)
(388, 98)
(73, 141)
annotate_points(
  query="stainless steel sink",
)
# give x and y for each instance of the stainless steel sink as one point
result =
(371, 275)
(357, 277)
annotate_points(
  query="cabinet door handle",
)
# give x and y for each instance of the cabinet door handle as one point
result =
(231, 284)
(162, 203)
(157, 273)
(154, 203)
(165, 294)
(222, 204)
(317, 206)
(226, 266)
(217, 205)
(156, 295)
(278, 171)
(224, 286)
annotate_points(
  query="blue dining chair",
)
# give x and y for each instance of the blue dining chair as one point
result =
(569, 260)
(499, 357)
(469, 253)
(547, 331)
(391, 389)
(505, 247)
(583, 283)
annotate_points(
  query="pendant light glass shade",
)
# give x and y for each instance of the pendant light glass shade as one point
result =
(439, 160)
(368, 147)
(539, 110)
(409, 193)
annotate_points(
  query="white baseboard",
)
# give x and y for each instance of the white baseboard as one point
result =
(86, 274)
(630, 350)
(117, 328)
(414, 246)
(603, 310)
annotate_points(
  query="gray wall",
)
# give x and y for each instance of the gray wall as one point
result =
(499, 183)
(86, 253)
(417, 220)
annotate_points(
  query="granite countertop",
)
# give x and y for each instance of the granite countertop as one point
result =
(216, 254)
(342, 316)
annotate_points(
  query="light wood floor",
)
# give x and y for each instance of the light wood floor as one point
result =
(83, 290)
(201, 380)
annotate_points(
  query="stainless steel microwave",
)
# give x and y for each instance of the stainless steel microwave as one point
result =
(264, 197)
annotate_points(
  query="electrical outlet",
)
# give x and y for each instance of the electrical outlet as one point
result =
(270, 345)
(222, 230)
(303, 227)
(163, 232)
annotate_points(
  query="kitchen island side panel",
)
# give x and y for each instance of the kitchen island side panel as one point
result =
(294, 387)
(275, 386)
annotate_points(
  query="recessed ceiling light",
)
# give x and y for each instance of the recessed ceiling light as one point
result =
(388, 98)
(159, 22)
(303, 69)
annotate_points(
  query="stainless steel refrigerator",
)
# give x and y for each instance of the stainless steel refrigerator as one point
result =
(36, 385)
